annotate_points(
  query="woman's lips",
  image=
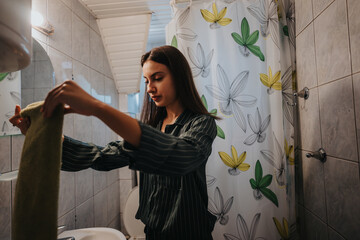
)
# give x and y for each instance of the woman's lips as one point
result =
(155, 98)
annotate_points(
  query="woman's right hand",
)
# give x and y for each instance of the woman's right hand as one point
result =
(73, 97)
(22, 123)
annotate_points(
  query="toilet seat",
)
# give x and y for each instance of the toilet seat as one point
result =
(133, 226)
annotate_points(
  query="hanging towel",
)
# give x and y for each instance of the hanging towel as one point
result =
(37, 187)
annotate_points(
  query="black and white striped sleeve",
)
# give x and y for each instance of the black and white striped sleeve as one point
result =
(165, 154)
(77, 155)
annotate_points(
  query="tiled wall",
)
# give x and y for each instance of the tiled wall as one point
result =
(327, 55)
(87, 198)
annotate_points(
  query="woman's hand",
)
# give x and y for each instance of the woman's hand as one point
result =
(22, 123)
(73, 97)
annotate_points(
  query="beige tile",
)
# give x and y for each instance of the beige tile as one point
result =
(100, 209)
(343, 196)
(68, 127)
(68, 220)
(320, 5)
(314, 188)
(96, 52)
(62, 65)
(17, 143)
(85, 214)
(98, 132)
(93, 24)
(107, 68)
(125, 173)
(115, 223)
(44, 73)
(66, 2)
(82, 76)
(80, 11)
(5, 154)
(338, 119)
(27, 97)
(59, 16)
(40, 93)
(97, 81)
(80, 40)
(113, 201)
(315, 229)
(27, 76)
(112, 176)
(332, 44)
(303, 14)
(354, 26)
(125, 189)
(356, 84)
(111, 95)
(310, 121)
(5, 210)
(81, 128)
(66, 192)
(305, 59)
(84, 186)
(99, 181)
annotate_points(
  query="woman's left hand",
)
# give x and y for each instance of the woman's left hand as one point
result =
(74, 98)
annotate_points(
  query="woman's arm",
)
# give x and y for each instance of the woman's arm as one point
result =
(77, 155)
(77, 100)
(165, 154)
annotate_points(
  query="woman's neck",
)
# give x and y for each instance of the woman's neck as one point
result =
(173, 112)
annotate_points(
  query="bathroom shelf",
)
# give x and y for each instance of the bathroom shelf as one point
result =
(5, 177)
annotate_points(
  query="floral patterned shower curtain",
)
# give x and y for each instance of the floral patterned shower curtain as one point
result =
(242, 58)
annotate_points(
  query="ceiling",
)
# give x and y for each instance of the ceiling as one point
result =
(126, 27)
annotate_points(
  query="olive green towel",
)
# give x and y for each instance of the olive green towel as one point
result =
(37, 187)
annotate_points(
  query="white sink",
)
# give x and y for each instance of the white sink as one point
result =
(93, 234)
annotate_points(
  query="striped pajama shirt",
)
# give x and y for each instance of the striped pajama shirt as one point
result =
(173, 191)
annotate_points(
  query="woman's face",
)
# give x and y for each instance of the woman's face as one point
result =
(159, 84)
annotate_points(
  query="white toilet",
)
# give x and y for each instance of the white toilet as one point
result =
(134, 227)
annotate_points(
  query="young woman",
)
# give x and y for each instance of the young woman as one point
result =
(169, 146)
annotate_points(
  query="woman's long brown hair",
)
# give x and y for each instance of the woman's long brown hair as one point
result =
(183, 82)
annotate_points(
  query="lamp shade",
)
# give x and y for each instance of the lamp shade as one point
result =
(15, 35)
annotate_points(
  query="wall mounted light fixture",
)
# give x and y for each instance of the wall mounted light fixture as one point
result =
(39, 23)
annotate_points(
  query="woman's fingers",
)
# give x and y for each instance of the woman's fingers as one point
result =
(24, 125)
(16, 119)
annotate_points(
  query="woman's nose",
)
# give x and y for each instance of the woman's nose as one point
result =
(150, 88)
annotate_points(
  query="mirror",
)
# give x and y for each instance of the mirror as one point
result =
(33, 82)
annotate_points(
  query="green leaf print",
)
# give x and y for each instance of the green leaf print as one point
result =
(174, 42)
(203, 99)
(238, 39)
(3, 75)
(253, 38)
(253, 183)
(258, 172)
(270, 195)
(266, 181)
(248, 40)
(245, 29)
(286, 30)
(261, 183)
(220, 132)
(256, 51)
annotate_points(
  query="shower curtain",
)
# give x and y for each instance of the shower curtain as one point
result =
(242, 55)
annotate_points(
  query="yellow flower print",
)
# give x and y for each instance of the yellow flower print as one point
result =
(235, 163)
(288, 151)
(215, 18)
(272, 82)
(283, 231)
